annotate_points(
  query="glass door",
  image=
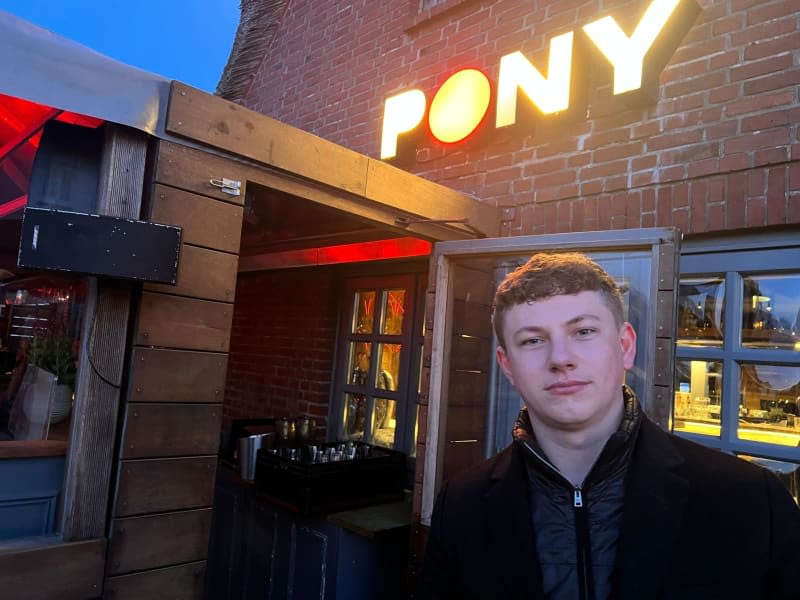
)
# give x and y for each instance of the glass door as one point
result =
(469, 406)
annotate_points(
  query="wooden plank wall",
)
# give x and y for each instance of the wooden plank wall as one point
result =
(168, 452)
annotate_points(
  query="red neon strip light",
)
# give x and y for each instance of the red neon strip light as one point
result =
(405, 247)
(13, 206)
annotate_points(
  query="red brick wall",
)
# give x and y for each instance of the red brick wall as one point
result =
(719, 150)
(282, 344)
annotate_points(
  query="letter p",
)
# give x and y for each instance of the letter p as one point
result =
(401, 113)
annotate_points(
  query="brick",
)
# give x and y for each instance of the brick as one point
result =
(756, 212)
(776, 196)
(760, 102)
(757, 141)
(761, 67)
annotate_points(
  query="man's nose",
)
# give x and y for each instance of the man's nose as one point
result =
(561, 356)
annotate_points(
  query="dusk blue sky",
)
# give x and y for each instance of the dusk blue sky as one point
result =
(188, 40)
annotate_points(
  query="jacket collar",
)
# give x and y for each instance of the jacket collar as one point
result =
(655, 500)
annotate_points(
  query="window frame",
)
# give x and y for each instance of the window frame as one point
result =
(733, 259)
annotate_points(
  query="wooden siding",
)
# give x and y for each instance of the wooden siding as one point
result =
(168, 453)
(214, 121)
(71, 571)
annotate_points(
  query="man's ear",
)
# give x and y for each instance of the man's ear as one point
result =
(505, 364)
(627, 340)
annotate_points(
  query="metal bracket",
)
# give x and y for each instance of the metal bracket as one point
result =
(228, 186)
(405, 222)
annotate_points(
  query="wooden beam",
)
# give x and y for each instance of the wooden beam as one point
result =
(97, 395)
(221, 124)
(65, 571)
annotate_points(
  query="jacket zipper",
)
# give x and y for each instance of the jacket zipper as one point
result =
(585, 587)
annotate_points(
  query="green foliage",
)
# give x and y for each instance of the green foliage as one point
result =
(54, 354)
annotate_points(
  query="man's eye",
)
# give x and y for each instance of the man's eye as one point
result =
(584, 331)
(531, 341)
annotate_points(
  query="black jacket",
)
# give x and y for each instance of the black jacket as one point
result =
(577, 527)
(697, 524)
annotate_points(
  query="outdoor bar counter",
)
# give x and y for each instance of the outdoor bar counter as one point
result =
(261, 548)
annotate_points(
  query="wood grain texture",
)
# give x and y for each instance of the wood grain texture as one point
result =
(186, 323)
(71, 571)
(192, 170)
(202, 273)
(212, 120)
(183, 582)
(209, 223)
(32, 448)
(222, 124)
(161, 375)
(153, 541)
(165, 484)
(161, 430)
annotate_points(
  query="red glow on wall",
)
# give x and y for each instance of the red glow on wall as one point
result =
(404, 247)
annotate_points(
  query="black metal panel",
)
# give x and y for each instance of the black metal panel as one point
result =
(99, 245)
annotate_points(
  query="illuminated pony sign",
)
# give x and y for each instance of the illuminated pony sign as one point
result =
(463, 100)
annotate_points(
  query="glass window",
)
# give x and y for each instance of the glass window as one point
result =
(364, 311)
(701, 305)
(393, 302)
(698, 396)
(770, 400)
(377, 383)
(771, 312)
(741, 350)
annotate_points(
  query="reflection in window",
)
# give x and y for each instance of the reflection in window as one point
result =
(388, 366)
(354, 417)
(360, 353)
(384, 422)
(771, 312)
(698, 394)
(364, 311)
(701, 312)
(40, 319)
(770, 404)
(392, 311)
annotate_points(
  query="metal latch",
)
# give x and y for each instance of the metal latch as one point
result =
(229, 186)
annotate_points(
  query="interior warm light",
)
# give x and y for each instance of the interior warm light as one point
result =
(626, 54)
(459, 105)
(401, 113)
(550, 95)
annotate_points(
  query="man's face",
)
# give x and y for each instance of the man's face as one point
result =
(567, 358)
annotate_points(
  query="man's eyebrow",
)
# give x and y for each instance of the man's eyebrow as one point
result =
(573, 321)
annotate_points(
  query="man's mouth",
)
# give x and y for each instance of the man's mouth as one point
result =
(566, 387)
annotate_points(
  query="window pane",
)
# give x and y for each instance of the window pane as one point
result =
(698, 393)
(354, 416)
(770, 398)
(392, 311)
(700, 311)
(388, 367)
(771, 311)
(40, 320)
(364, 311)
(384, 422)
(358, 365)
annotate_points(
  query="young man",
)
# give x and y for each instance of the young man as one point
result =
(592, 500)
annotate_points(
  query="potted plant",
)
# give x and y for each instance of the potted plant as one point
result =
(54, 354)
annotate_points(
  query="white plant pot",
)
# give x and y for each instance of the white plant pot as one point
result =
(62, 403)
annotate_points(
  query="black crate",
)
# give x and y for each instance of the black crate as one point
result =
(320, 488)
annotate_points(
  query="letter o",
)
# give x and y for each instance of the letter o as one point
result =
(459, 105)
